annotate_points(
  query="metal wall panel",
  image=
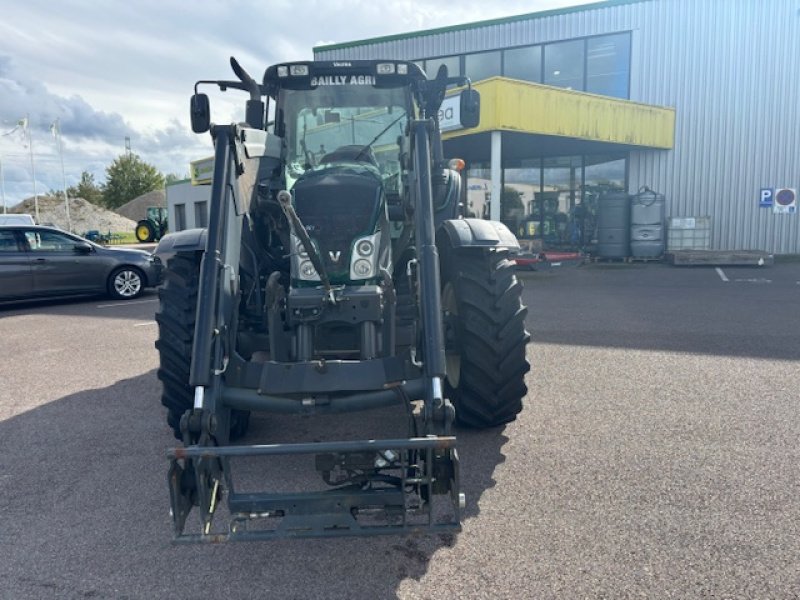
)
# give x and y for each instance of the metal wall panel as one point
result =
(728, 67)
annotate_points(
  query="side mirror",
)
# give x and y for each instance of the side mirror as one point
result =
(470, 108)
(200, 112)
(83, 248)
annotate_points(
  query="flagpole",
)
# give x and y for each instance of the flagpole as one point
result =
(33, 168)
(57, 132)
(3, 188)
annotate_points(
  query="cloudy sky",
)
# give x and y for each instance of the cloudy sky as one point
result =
(117, 69)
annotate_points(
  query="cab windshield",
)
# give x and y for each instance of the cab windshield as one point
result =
(344, 123)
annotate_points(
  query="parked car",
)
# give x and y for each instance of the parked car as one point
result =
(16, 219)
(38, 261)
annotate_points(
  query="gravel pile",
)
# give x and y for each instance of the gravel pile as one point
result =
(84, 215)
(137, 208)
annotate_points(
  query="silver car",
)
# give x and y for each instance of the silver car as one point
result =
(38, 261)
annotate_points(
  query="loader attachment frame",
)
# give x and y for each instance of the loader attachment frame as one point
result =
(427, 467)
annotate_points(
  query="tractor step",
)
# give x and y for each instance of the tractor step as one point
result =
(395, 491)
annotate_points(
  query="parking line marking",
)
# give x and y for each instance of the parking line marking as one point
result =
(721, 274)
(125, 303)
(144, 324)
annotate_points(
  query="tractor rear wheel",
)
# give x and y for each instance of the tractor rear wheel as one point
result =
(176, 318)
(484, 321)
(145, 231)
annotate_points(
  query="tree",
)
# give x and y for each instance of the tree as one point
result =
(129, 177)
(87, 189)
(173, 177)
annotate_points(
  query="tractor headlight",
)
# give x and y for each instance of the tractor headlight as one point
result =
(298, 70)
(298, 247)
(361, 269)
(308, 272)
(365, 248)
(364, 258)
(302, 267)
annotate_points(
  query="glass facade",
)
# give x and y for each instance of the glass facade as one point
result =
(453, 64)
(563, 64)
(523, 63)
(553, 199)
(482, 65)
(600, 64)
(608, 60)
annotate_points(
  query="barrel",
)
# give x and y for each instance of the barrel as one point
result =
(613, 225)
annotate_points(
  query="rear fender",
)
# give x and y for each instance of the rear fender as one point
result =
(187, 240)
(476, 233)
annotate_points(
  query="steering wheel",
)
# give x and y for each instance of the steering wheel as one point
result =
(351, 153)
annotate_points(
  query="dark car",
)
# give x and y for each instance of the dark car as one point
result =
(38, 261)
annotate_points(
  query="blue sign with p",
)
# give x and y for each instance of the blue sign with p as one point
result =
(766, 198)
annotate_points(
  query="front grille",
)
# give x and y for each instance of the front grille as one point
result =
(336, 206)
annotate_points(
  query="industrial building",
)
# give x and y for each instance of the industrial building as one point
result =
(696, 100)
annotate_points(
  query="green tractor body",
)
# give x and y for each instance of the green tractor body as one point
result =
(154, 226)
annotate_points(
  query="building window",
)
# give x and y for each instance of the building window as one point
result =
(604, 173)
(523, 63)
(600, 64)
(563, 64)
(453, 64)
(201, 214)
(482, 65)
(608, 60)
(180, 217)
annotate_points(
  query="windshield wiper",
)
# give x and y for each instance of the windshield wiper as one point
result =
(377, 137)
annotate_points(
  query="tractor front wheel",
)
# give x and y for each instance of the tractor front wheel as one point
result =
(484, 321)
(176, 318)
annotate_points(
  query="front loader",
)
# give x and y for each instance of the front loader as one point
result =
(336, 275)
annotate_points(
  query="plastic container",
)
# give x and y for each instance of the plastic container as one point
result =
(647, 233)
(648, 208)
(644, 249)
(689, 233)
(614, 225)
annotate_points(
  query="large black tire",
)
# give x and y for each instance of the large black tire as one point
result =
(144, 231)
(176, 318)
(486, 336)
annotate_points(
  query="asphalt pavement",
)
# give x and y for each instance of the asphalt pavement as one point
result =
(657, 456)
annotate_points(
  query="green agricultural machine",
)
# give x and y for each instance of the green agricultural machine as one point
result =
(154, 226)
(336, 275)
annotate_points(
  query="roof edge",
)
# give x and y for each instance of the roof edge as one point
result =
(477, 24)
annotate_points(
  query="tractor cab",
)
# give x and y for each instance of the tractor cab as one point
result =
(346, 160)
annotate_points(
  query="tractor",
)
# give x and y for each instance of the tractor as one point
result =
(154, 226)
(337, 274)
